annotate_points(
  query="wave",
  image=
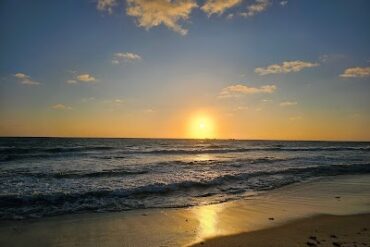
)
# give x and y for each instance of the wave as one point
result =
(18, 150)
(241, 150)
(118, 199)
(76, 174)
(19, 153)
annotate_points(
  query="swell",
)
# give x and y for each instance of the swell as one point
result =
(241, 150)
(76, 174)
(98, 199)
(17, 150)
(18, 153)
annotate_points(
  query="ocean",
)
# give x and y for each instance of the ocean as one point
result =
(42, 177)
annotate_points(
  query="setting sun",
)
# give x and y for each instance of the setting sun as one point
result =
(201, 126)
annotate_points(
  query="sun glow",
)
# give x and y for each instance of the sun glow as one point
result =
(201, 126)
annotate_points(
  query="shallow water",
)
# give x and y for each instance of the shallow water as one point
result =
(51, 176)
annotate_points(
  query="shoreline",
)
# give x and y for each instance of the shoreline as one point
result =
(340, 195)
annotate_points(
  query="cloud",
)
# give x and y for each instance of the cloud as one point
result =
(125, 57)
(283, 3)
(356, 72)
(85, 78)
(238, 89)
(152, 13)
(149, 110)
(71, 81)
(257, 7)
(61, 107)
(218, 6)
(26, 79)
(285, 67)
(288, 103)
(106, 5)
(241, 108)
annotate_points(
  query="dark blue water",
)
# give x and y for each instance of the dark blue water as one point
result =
(52, 176)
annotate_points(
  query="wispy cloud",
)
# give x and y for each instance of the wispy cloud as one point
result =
(149, 110)
(356, 72)
(283, 3)
(26, 79)
(152, 13)
(106, 5)
(257, 7)
(288, 103)
(71, 81)
(239, 89)
(285, 67)
(218, 6)
(86, 78)
(83, 78)
(125, 57)
(61, 107)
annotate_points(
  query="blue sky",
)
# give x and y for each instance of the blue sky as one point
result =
(145, 66)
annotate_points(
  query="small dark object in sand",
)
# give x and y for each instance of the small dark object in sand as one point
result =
(201, 243)
(313, 238)
(186, 220)
(271, 218)
(336, 244)
(333, 236)
(310, 243)
(144, 214)
(364, 229)
(337, 197)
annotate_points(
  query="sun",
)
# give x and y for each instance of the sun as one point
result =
(201, 126)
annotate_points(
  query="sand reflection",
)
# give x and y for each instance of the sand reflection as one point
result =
(208, 218)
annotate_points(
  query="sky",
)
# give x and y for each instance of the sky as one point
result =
(243, 69)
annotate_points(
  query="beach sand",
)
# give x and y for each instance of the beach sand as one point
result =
(283, 217)
(323, 230)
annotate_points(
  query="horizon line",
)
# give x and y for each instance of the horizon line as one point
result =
(184, 138)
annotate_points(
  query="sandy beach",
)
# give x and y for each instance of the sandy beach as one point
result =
(323, 230)
(304, 214)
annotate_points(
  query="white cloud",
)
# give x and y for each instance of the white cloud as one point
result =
(283, 3)
(288, 103)
(257, 7)
(26, 79)
(106, 5)
(61, 107)
(89, 99)
(241, 108)
(356, 72)
(266, 100)
(125, 57)
(218, 6)
(152, 13)
(239, 89)
(85, 78)
(285, 67)
(71, 81)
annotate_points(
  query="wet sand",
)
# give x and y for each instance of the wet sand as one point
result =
(271, 217)
(324, 230)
